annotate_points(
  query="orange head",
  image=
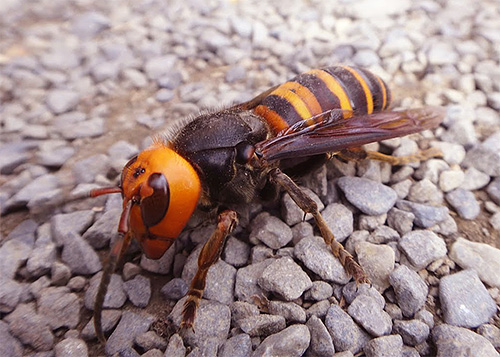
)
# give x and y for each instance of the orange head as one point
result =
(160, 191)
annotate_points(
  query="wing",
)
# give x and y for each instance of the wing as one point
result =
(337, 129)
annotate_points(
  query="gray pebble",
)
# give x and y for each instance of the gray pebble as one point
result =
(486, 156)
(474, 179)
(346, 334)
(413, 332)
(237, 346)
(271, 231)
(260, 253)
(79, 255)
(162, 265)
(104, 229)
(425, 216)
(262, 325)
(157, 67)
(411, 291)
(236, 252)
(377, 261)
(150, 340)
(385, 346)
(321, 342)
(30, 327)
(64, 226)
(89, 24)
(59, 307)
(62, 100)
(318, 309)
(289, 310)
(175, 289)
(292, 341)
(458, 341)
(422, 247)
(87, 169)
(340, 220)
(465, 300)
(60, 273)
(370, 223)
(170, 80)
(241, 310)
(368, 313)
(10, 294)
(431, 169)
(11, 159)
(401, 221)
(425, 192)
(115, 296)
(453, 153)
(285, 278)
(451, 179)
(9, 346)
(320, 290)
(109, 320)
(369, 196)
(292, 213)
(175, 347)
(491, 333)
(246, 281)
(493, 190)
(85, 129)
(56, 157)
(39, 185)
(138, 290)
(130, 326)
(426, 317)
(77, 283)
(316, 256)
(235, 73)
(464, 203)
(71, 347)
(481, 257)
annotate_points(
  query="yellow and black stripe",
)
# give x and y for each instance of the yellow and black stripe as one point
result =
(320, 90)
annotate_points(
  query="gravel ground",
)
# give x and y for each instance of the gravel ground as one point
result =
(84, 83)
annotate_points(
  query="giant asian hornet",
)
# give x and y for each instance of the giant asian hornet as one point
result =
(246, 151)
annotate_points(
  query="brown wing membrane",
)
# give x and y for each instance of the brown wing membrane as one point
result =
(334, 133)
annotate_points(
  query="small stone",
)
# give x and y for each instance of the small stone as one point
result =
(400, 220)
(271, 231)
(156, 67)
(318, 309)
(491, 333)
(77, 283)
(262, 325)
(74, 223)
(321, 342)
(89, 24)
(71, 347)
(368, 313)
(384, 346)
(292, 341)
(464, 203)
(459, 341)
(59, 307)
(9, 345)
(474, 179)
(464, 300)
(431, 169)
(316, 256)
(320, 290)
(292, 213)
(115, 296)
(30, 328)
(411, 291)
(175, 289)
(109, 320)
(289, 310)
(130, 270)
(62, 100)
(237, 346)
(486, 156)
(235, 73)
(346, 334)
(40, 184)
(164, 95)
(130, 326)
(150, 340)
(452, 153)
(370, 197)
(340, 220)
(481, 257)
(413, 332)
(425, 216)
(493, 190)
(246, 281)
(86, 170)
(370, 223)
(138, 290)
(103, 230)
(79, 256)
(175, 347)
(60, 273)
(41, 259)
(162, 265)
(426, 317)
(394, 311)
(378, 263)
(285, 278)
(451, 179)
(236, 252)
(425, 192)
(422, 247)
(10, 294)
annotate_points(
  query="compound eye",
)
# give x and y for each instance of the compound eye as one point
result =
(126, 168)
(155, 206)
(244, 152)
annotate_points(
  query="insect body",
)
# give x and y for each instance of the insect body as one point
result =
(241, 153)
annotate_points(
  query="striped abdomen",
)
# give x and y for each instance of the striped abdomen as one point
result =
(320, 90)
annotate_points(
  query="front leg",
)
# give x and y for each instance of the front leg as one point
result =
(209, 255)
(309, 206)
